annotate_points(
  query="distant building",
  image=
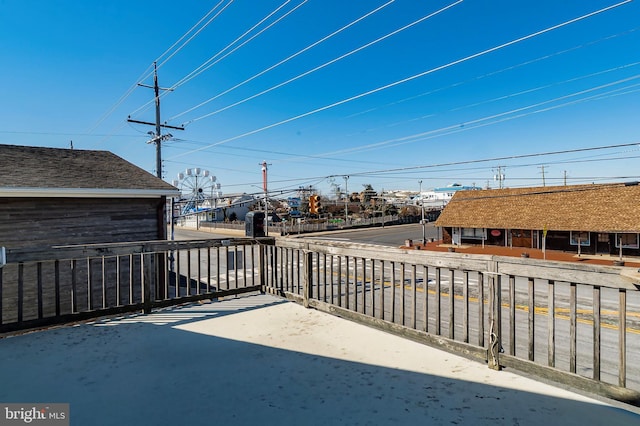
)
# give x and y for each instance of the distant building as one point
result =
(231, 207)
(51, 196)
(439, 197)
(598, 218)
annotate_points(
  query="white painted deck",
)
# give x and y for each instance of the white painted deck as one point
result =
(261, 360)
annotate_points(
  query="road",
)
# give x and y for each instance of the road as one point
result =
(392, 236)
(388, 236)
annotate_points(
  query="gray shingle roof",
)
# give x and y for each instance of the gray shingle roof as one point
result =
(29, 167)
(596, 208)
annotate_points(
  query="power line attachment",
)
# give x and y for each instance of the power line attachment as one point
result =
(157, 137)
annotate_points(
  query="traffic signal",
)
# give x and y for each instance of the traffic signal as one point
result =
(314, 204)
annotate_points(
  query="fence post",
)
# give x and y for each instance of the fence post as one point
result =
(262, 255)
(161, 262)
(495, 317)
(147, 278)
(307, 279)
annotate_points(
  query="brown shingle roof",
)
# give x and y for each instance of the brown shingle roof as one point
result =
(54, 168)
(597, 208)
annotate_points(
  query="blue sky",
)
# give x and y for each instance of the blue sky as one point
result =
(387, 92)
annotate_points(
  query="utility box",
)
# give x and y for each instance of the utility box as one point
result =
(254, 224)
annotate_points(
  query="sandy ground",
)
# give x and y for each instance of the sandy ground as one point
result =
(261, 360)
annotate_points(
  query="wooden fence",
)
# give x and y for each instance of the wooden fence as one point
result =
(64, 284)
(566, 322)
(570, 323)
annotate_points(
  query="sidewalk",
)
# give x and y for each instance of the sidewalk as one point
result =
(561, 256)
(258, 359)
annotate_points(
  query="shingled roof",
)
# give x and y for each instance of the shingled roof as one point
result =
(596, 208)
(53, 172)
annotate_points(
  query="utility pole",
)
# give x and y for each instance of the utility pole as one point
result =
(264, 188)
(424, 230)
(543, 181)
(565, 178)
(346, 199)
(384, 205)
(499, 176)
(158, 137)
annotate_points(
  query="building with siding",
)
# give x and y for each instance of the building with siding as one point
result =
(51, 196)
(596, 218)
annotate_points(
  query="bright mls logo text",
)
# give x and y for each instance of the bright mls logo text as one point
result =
(51, 414)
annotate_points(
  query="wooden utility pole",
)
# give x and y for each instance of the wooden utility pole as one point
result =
(158, 137)
(543, 181)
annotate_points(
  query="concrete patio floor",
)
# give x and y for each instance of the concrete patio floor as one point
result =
(259, 359)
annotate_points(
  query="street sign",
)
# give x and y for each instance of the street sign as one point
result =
(294, 202)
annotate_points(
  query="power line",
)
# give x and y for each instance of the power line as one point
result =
(295, 156)
(493, 73)
(385, 173)
(323, 156)
(485, 121)
(326, 64)
(144, 106)
(499, 159)
(195, 34)
(546, 86)
(146, 73)
(511, 95)
(208, 63)
(312, 45)
(448, 65)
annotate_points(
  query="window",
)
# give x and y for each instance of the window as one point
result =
(474, 233)
(580, 236)
(628, 240)
(520, 233)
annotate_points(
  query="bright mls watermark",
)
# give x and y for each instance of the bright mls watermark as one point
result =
(36, 414)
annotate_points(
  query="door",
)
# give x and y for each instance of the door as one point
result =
(455, 236)
(603, 246)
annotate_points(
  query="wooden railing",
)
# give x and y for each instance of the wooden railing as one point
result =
(568, 322)
(64, 284)
(571, 323)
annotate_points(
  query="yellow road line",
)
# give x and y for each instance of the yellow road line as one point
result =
(525, 308)
(540, 310)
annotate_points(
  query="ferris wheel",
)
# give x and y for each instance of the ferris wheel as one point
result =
(199, 189)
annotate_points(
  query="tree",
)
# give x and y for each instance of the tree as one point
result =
(336, 192)
(367, 194)
(412, 211)
(390, 209)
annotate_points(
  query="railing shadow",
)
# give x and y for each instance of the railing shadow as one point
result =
(247, 360)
